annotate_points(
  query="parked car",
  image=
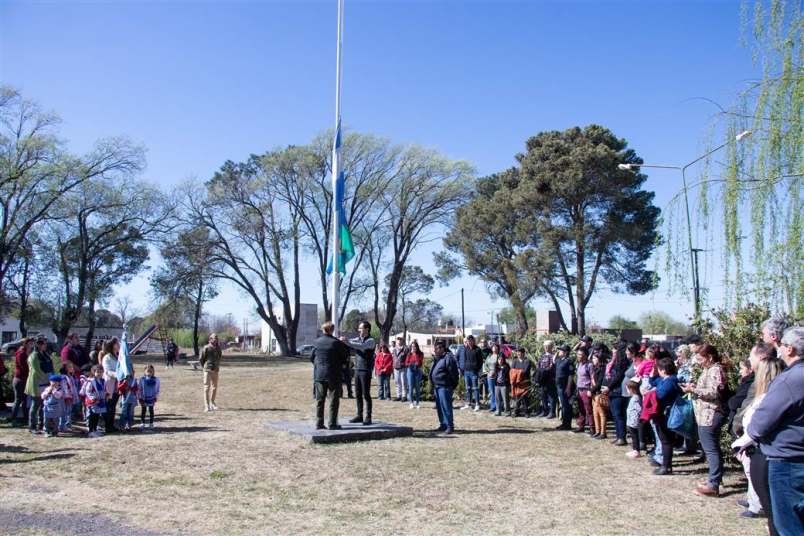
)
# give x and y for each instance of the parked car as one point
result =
(305, 350)
(10, 348)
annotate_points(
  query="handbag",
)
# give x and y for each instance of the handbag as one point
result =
(682, 417)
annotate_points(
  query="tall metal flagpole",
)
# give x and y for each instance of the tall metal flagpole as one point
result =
(336, 224)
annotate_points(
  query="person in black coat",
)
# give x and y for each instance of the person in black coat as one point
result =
(734, 403)
(618, 401)
(444, 379)
(328, 358)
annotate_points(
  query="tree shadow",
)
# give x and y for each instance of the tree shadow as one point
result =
(46, 457)
(504, 430)
(186, 429)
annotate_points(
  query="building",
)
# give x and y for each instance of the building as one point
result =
(307, 332)
(546, 321)
(428, 338)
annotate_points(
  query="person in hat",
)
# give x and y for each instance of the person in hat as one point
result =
(564, 372)
(53, 405)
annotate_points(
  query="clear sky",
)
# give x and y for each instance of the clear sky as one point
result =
(198, 83)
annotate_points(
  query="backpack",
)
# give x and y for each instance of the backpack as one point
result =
(650, 405)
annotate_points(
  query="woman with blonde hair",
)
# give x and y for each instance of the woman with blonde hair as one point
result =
(754, 462)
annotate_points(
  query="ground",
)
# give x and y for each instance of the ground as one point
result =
(225, 473)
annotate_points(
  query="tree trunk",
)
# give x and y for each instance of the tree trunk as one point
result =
(24, 298)
(91, 321)
(404, 324)
(520, 310)
(197, 316)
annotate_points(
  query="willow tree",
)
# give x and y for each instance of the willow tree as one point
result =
(756, 232)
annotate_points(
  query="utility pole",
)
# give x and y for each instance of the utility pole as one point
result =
(463, 319)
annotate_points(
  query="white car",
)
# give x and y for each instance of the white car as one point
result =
(305, 350)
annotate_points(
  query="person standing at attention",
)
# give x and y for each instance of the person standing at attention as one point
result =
(363, 346)
(473, 364)
(444, 379)
(210, 360)
(328, 357)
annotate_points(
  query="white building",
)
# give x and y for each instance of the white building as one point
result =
(307, 331)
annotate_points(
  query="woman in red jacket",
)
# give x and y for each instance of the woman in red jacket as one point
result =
(414, 363)
(19, 380)
(384, 368)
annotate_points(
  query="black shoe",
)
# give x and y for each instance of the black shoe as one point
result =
(319, 427)
(335, 427)
(449, 431)
(551, 416)
(653, 462)
(601, 437)
(356, 420)
(563, 427)
(440, 429)
(594, 436)
(578, 431)
(367, 422)
(662, 471)
(620, 442)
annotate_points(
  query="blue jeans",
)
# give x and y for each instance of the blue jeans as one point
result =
(384, 387)
(618, 405)
(786, 480)
(414, 384)
(470, 379)
(127, 415)
(710, 442)
(492, 396)
(444, 407)
(657, 450)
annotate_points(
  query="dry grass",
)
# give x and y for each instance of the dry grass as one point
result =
(224, 473)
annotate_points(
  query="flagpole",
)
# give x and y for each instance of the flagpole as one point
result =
(335, 172)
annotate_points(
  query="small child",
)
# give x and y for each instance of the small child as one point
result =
(632, 417)
(95, 397)
(384, 368)
(70, 395)
(128, 391)
(148, 394)
(53, 405)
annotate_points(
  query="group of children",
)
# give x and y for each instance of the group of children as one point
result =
(94, 397)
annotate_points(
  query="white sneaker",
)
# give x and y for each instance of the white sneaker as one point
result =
(213, 407)
(465, 407)
(418, 406)
(477, 407)
(412, 405)
(142, 427)
(207, 409)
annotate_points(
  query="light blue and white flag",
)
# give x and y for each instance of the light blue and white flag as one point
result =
(123, 361)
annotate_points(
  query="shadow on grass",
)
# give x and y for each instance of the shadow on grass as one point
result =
(46, 457)
(187, 429)
(502, 430)
(265, 409)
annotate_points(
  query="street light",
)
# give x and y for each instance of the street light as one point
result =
(630, 167)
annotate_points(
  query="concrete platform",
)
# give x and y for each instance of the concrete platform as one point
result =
(349, 433)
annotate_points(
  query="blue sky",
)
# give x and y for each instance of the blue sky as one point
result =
(200, 83)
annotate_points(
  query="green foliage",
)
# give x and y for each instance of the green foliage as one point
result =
(620, 322)
(659, 322)
(534, 345)
(184, 337)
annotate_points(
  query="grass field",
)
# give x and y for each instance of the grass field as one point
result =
(224, 473)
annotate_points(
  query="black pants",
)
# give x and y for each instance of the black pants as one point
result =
(347, 379)
(759, 479)
(666, 439)
(634, 438)
(564, 401)
(522, 405)
(150, 410)
(93, 422)
(363, 392)
(323, 391)
(19, 399)
(111, 409)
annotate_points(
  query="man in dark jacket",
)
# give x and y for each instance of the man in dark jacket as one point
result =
(363, 346)
(564, 372)
(444, 378)
(328, 357)
(472, 365)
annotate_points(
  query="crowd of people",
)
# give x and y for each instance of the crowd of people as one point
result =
(661, 405)
(71, 391)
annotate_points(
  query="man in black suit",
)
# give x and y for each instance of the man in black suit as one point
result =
(328, 358)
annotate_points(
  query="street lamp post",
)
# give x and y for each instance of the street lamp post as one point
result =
(693, 253)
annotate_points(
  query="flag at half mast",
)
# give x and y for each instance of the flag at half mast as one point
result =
(347, 250)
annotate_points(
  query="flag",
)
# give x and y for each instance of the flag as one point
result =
(347, 250)
(123, 361)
